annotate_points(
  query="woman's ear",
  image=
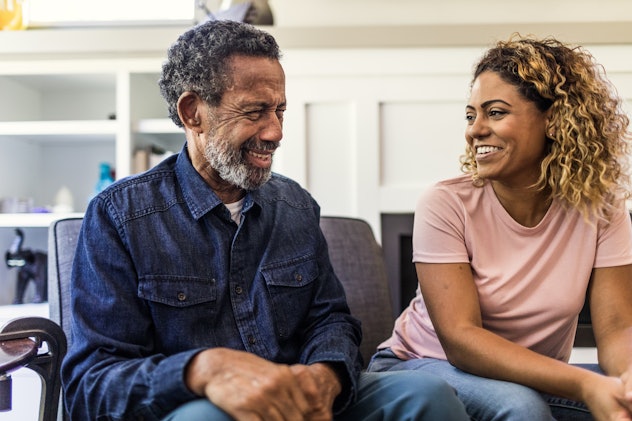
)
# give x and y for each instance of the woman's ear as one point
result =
(550, 129)
(189, 110)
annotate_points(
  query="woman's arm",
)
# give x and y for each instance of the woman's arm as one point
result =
(450, 295)
(610, 296)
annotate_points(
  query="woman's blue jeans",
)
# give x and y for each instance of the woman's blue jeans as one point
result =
(487, 399)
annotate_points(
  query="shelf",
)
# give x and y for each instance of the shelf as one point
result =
(11, 311)
(154, 41)
(54, 130)
(156, 126)
(160, 132)
(26, 220)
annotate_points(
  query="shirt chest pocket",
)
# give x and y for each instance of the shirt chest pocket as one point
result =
(291, 290)
(295, 275)
(177, 291)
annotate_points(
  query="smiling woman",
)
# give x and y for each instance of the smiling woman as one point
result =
(507, 253)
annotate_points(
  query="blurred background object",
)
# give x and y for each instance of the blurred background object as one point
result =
(255, 12)
(32, 266)
(13, 14)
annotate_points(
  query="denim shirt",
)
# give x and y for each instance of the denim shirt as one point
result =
(162, 272)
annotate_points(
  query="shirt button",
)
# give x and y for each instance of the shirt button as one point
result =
(182, 296)
(239, 290)
(298, 277)
(251, 340)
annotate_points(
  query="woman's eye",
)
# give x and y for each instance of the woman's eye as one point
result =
(470, 118)
(496, 113)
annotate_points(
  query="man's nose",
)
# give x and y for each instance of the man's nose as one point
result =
(272, 130)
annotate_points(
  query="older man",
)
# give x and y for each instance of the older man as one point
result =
(202, 289)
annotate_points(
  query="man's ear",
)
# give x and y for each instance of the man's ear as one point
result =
(190, 108)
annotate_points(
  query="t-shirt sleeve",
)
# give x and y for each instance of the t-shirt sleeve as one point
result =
(439, 228)
(614, 243)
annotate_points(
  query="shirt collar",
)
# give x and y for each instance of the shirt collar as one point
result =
(199, 196)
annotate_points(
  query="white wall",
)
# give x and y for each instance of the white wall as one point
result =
(329, 13)
(415, 12)
(368, 129)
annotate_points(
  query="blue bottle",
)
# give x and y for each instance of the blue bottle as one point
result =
(105, 177)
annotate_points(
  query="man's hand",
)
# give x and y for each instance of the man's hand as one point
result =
(248, 387)
(320, 385)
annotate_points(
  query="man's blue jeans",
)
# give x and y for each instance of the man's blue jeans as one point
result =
(487, 399)
(394, 396)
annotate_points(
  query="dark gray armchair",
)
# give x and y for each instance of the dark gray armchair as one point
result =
(358, 261)
(62, 244)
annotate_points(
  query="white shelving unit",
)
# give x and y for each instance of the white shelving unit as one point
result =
(53, 125)
(62, 113)
(60, 118)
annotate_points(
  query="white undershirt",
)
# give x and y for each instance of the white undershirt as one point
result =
(235, 210)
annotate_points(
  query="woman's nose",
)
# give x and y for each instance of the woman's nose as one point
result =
(477, 128)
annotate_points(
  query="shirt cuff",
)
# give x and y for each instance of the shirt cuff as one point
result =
(168, 385)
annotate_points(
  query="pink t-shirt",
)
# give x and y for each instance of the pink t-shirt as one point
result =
(531, 282)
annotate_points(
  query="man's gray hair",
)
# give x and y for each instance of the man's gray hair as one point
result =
(199, 60)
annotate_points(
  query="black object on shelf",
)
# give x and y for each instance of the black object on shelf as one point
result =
(33, 266)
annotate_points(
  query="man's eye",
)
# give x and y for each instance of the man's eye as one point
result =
(254, 115)
(470, 118)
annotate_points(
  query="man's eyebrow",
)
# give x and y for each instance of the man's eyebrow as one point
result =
(265, 105)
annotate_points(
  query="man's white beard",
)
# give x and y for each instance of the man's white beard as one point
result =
(233, 168)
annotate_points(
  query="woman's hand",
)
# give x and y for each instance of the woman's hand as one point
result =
(626, 379)
(609, 398)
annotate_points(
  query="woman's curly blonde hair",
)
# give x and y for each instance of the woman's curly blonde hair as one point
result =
(587, 166)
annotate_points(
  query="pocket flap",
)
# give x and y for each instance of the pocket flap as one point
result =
(177, 291)
(295, 274)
